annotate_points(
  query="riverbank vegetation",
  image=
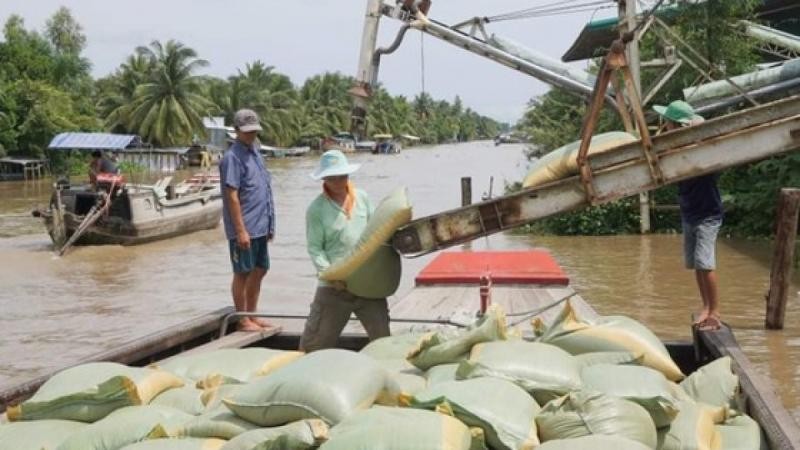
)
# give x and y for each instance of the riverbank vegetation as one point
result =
(159, 93)
(749, 193)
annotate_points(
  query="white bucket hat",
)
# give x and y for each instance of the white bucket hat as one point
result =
(333, 163)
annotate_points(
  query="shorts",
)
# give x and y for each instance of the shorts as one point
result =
(699, 243)
(245, 260)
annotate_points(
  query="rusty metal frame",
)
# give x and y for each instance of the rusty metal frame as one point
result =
(614, 64)
(728, 141)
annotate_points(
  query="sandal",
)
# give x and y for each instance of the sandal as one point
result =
(698, 322)
(712, 323)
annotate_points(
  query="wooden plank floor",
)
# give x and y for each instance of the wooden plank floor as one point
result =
(460, 304)
(237, 339)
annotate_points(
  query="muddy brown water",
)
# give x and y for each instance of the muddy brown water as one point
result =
(57, 310)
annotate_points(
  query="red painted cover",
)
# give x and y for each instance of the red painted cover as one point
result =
(518, 267)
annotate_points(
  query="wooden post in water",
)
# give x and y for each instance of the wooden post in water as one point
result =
(783, 258)
(466, 199)
(466, 191)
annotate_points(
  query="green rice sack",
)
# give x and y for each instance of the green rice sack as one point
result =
(91, 391)
(503, 410)
(328, 384)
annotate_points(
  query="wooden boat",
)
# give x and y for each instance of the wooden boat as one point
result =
(343, 141)
(267, 151)
(137, 214)
(298, 151)
(446, 298)
(386, 144)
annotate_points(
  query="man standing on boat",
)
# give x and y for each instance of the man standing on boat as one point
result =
(701, 216)
(98, 165)
(334, 223)
(248, 214)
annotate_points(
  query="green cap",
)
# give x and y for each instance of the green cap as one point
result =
(678, 111)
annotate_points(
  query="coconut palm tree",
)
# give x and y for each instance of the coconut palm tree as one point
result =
(116, 92)
(326, 100)
(167, 109)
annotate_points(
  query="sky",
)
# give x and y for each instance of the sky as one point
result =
(302, 38)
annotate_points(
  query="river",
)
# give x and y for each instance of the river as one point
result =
(58, 310)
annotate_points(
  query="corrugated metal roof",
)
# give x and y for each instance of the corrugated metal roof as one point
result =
(93, 141)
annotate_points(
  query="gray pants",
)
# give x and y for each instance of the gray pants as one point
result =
(330, 312)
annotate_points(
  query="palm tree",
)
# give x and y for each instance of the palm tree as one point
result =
(117, 92)
(273, 96)
(168, 108)
(327, 102)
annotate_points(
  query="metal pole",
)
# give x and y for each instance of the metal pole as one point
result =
(785, 240)
(627, 15)
(367, 73)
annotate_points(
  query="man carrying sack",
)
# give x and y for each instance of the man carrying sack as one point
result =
(334, 223)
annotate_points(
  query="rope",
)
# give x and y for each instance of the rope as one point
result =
(535, 312)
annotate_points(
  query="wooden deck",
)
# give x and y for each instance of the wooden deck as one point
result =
(431, 307)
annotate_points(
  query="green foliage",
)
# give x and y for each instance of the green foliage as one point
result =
(65, 33)
(709, 28)
(167, 109)
(134, 172)
(751, 193)
(44, 84)
(69, 163)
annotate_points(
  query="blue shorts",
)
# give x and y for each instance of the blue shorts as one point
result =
(245, 260)
(699, 243)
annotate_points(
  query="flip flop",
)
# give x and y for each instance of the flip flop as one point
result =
(710, 324)
(698, 322)
(263, 323)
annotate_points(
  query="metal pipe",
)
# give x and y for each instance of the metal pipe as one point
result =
(790, 70)
(225, 320)
(772, 36)
(481, 48)
(756, 93)
(376, 57)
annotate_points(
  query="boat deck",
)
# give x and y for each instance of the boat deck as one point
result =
(434, 306)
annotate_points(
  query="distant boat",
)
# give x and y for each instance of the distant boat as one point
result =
(342, 141)
(386, 144)
(138, 213)
(114, 211)
(365, 146)
(298, 151)
(268, 151)
(280, 152)
(410, 139)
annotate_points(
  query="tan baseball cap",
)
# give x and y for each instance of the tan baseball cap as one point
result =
(246, 120)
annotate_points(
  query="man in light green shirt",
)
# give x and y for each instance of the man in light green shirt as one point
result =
(334, 223)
